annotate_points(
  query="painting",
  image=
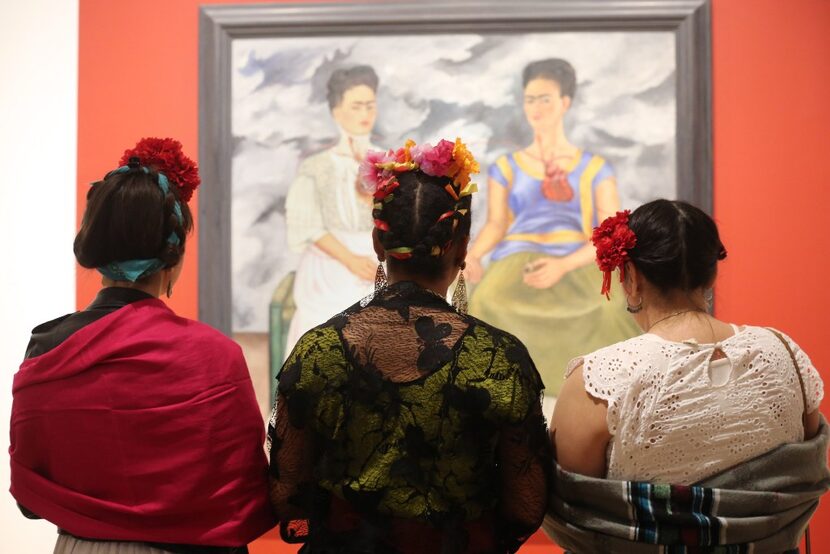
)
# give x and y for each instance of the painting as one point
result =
(572, 117)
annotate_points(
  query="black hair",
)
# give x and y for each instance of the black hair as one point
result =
(412, 215)
(678, 245)
(129, 217)
(553, 69)
(342, 80)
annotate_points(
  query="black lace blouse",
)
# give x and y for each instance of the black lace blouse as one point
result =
(404, 426)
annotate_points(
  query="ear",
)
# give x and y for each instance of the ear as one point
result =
(461, 251)
(711, 283)
(633, 282)
(379, 249)
(566, 102)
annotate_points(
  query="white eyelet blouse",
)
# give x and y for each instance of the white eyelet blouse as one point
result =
(677, 418)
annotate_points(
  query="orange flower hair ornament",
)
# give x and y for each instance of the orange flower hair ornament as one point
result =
(613, 239)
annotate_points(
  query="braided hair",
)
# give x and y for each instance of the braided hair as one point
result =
(424, 217)
(127, 217)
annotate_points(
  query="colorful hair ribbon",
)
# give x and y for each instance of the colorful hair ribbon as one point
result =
(400, 253)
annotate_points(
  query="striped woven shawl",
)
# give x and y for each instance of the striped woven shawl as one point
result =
(762, 505)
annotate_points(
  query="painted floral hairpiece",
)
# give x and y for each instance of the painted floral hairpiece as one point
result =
(613, 239)
(379, 176)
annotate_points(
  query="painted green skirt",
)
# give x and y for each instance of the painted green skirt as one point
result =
(557, 324)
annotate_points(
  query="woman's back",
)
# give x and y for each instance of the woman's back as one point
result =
(682, 411)
(410, 405)
(125, 408)
(132, 425)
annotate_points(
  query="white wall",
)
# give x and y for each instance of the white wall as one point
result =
(38, 140)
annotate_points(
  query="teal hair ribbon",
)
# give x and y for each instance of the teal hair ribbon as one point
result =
(133, 270)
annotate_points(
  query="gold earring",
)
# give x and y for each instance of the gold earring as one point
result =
(634, 309)
(169, 288)
(459, 295)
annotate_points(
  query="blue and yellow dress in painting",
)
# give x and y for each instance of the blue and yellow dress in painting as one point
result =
(571, 318)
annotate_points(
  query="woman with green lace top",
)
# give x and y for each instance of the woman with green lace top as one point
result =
(403, 425)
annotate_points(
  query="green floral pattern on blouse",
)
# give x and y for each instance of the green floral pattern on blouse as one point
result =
(404, 408)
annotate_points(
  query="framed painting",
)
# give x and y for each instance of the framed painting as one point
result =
(574, 109)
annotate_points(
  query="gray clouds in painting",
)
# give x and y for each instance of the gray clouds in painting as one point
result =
(433, 87)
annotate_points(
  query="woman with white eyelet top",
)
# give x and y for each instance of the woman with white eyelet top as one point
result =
(692, 401)
(676, 415)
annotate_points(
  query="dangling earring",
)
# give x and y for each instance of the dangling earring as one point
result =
(380, 278)
(459, 295)
(709, 297)
(634, 309)
(169, 288)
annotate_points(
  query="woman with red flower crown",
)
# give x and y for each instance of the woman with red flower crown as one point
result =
(732, 409)
(543, 202)
(135, 430)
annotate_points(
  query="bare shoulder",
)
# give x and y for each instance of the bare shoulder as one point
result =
(579, 428)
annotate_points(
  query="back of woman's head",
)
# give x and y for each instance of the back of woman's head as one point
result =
(422, 217)
(129, 217)
(137, 219)
(678, 246)
(422, 196)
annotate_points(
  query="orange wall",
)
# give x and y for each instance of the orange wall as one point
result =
(771, 65)
(138, 75)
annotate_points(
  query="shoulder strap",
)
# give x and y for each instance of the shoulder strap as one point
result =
(795, 364)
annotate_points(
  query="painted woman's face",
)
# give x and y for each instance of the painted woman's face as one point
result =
(544, 104)
(357, 112)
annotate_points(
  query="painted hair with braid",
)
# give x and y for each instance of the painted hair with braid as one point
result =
(128, 217)
(414, 219)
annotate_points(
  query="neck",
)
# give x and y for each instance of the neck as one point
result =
(552, 141)
(347, 142)
(153, 286)
(657, 310)
(438, 285)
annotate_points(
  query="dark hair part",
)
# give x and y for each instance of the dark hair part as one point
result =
(553, 69)
(678, 246)
(412, 216)
(342, 80)
(128, 217)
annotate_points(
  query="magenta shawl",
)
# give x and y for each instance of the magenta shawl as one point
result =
(142, 426)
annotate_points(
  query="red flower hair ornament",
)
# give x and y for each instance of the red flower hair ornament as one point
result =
(165, 156)
(613, 239)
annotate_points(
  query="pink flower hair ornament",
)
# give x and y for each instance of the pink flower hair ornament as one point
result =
(446, 159)
(379, 170)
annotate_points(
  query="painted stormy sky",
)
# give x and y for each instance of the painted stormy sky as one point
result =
(432, 87)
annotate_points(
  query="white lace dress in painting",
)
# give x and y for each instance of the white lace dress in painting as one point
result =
(677, 418)
(323, 199)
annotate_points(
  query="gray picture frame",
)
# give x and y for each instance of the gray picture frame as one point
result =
(689, 20)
